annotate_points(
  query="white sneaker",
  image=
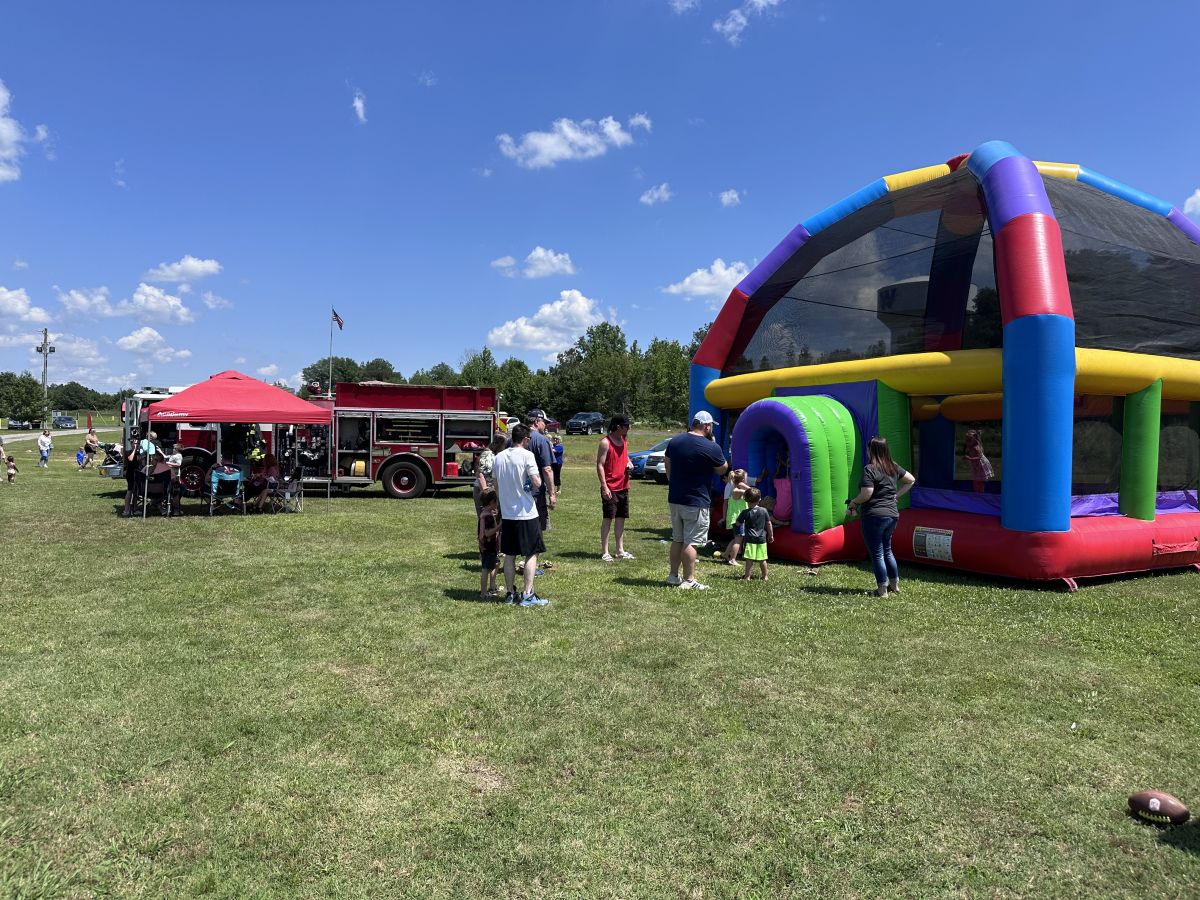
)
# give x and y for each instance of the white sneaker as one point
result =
(692, 585)
(607, 557)
(674, 580)
(625, 554)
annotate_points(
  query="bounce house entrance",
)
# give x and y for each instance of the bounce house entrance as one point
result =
(811, 452)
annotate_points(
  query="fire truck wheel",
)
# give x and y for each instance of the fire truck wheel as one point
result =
(191, 474)
(404, 480)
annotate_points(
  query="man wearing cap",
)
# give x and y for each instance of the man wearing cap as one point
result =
(692, 459)
(539, 446)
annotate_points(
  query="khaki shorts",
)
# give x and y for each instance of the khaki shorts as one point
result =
(689, 524)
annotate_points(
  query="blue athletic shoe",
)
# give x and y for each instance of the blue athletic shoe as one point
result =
(533, 600)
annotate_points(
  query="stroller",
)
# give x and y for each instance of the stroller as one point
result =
(225, 490)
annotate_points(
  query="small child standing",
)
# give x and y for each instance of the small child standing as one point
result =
(12, 470)
(488, 534)
(80, 459)
(733, 508)
(757, 532)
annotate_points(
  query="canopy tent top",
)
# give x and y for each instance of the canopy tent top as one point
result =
(234, 398)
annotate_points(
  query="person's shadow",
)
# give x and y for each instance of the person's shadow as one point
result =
(465, 595)
(1183, 837)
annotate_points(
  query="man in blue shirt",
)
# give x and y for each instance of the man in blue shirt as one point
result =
(539, 446)
(691, 460)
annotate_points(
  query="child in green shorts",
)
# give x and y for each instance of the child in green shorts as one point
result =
(757, 532)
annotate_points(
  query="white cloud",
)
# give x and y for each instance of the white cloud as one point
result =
(15, 304)
(267, 371)
(118, 177)
(151, 304)
(1191, 206)
(506, 266)
(187, 269)
(713, 283)
(730, 198)
(660, 193)
(427, 79)
(13, 138)
(148, 343)
(681, 6)
(540, 263)
(87, 302)
(212, 301)
(550, 330)
(569, 140)
(239, 361)
(19, 264)
(360, 107)
(737, 20)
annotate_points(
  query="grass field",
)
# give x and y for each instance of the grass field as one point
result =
(317, 705)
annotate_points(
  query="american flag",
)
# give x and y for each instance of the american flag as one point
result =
(338, 319)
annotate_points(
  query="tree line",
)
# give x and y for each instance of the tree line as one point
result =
(21, 397)
(600, 372)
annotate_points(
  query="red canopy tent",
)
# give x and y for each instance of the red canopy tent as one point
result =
(238, 399)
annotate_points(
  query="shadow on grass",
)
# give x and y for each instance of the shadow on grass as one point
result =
(466, 554)
(631, 581)
(372, 493)
(465, 595)
(1183, 837)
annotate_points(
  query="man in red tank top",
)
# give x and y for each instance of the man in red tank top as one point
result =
(612, 468)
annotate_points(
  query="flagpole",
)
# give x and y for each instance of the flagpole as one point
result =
(329, 384)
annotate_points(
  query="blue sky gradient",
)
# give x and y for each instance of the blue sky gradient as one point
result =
(186, 189)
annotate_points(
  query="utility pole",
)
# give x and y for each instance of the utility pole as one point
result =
(45, 349)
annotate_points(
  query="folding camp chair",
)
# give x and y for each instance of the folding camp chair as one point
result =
(288, 496)
(225, 491)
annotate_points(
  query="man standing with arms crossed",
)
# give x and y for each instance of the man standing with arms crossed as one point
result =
(517, 478)
(612, 468)
(692, 459)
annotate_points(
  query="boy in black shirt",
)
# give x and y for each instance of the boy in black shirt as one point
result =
(758, 531)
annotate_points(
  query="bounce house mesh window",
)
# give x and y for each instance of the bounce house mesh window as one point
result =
(909, 272)
(1096, 446)
(1134, 277)
(1179, 453)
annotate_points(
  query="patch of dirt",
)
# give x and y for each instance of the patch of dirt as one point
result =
(480, 777)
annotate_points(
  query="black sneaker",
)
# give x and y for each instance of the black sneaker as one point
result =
(510, 598)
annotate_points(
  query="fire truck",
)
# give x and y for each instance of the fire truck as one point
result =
(197, 441)
(409, 437)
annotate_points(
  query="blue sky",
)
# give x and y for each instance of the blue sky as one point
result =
(190, 188)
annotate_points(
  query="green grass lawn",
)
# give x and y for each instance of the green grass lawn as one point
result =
(317, 705)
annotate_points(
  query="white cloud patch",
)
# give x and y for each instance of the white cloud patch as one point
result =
(212, 301)
(360, 107)
(20, 264)
(730, 198)
(540, 263)
(148, 304)
(660, 193)
(738, 20)
(1191, 206)
(187, 269)
(713, 283)
(15, 304)
(679, 7)
(569, 140)
(13, 139)
(268, 371)
(427, 79)
(151, 345)
(118, 177)
(550, 330)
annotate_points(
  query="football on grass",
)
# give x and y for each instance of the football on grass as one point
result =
(1158, 807)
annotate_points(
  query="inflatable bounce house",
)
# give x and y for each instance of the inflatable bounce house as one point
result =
(1025, 334)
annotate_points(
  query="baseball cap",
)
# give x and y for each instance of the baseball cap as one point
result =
(703, 417)
(534, 414)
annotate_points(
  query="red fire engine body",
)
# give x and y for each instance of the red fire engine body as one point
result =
(409, 437)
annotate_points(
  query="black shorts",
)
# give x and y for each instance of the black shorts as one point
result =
(617, 507)
(488, 559)
(521, 537)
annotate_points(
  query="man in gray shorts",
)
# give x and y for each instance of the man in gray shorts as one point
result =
(692, 459)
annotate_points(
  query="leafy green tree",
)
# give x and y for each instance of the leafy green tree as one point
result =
(442, 373)
(22, 397)
(665, 381)
(72, 395)
(698, 337)
(479, 368)
(379, 369)
(517, 386)
(344, 369)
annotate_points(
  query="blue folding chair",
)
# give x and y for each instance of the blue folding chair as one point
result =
(225, 491)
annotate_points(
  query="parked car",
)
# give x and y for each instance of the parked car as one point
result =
(639, 458)
(19, 424)
(586, 423)
(656, 467)
(552, 424)
(65, 422)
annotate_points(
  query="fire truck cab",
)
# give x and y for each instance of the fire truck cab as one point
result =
(409, 437)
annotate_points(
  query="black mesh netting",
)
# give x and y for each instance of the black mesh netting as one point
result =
(913, 271)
